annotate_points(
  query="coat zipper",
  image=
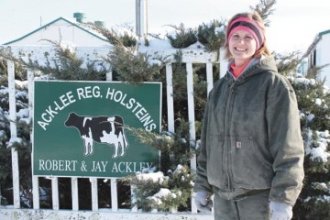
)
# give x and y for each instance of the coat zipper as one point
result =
(228, 119)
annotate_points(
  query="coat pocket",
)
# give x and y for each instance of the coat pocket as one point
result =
(251, 168)
(215, 169)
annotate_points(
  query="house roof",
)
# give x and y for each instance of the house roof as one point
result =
(317, 38)
(51, 23)
(324, 33)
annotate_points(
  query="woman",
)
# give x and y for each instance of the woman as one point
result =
(251, 156)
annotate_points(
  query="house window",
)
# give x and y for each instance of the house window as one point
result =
(314, 58)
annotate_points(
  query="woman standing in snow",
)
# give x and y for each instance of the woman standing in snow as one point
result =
(251, 156)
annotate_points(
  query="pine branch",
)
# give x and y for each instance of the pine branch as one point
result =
(212, 35)
(183, 37)
(265, 9)
(135, 67)
(156, 191)
(113, 37)
(287, 64)
(313, 72)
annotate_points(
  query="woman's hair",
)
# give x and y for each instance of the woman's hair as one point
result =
(263, 49)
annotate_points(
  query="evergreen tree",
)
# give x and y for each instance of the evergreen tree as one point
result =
(313, 102)
(22, 144)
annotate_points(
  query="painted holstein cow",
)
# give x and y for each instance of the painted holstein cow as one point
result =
(101, 129)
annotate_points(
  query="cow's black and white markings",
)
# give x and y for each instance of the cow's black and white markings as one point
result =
(101, 129)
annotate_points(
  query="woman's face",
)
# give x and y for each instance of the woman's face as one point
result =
(242, 46)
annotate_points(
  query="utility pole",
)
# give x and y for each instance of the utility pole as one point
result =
(141, 17)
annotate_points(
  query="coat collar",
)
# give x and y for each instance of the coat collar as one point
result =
(257, 66)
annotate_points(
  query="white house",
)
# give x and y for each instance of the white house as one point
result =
(318, 55)
(71, 34)
(61, 30)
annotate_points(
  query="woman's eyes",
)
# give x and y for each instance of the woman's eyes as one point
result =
(246, 38)
(235, 36)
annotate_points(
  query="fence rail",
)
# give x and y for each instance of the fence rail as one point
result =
(15, 212)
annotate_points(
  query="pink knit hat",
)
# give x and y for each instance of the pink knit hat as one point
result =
(249, 25)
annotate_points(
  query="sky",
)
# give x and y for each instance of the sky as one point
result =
(294, 23)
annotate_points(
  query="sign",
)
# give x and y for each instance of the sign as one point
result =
(82, 128)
